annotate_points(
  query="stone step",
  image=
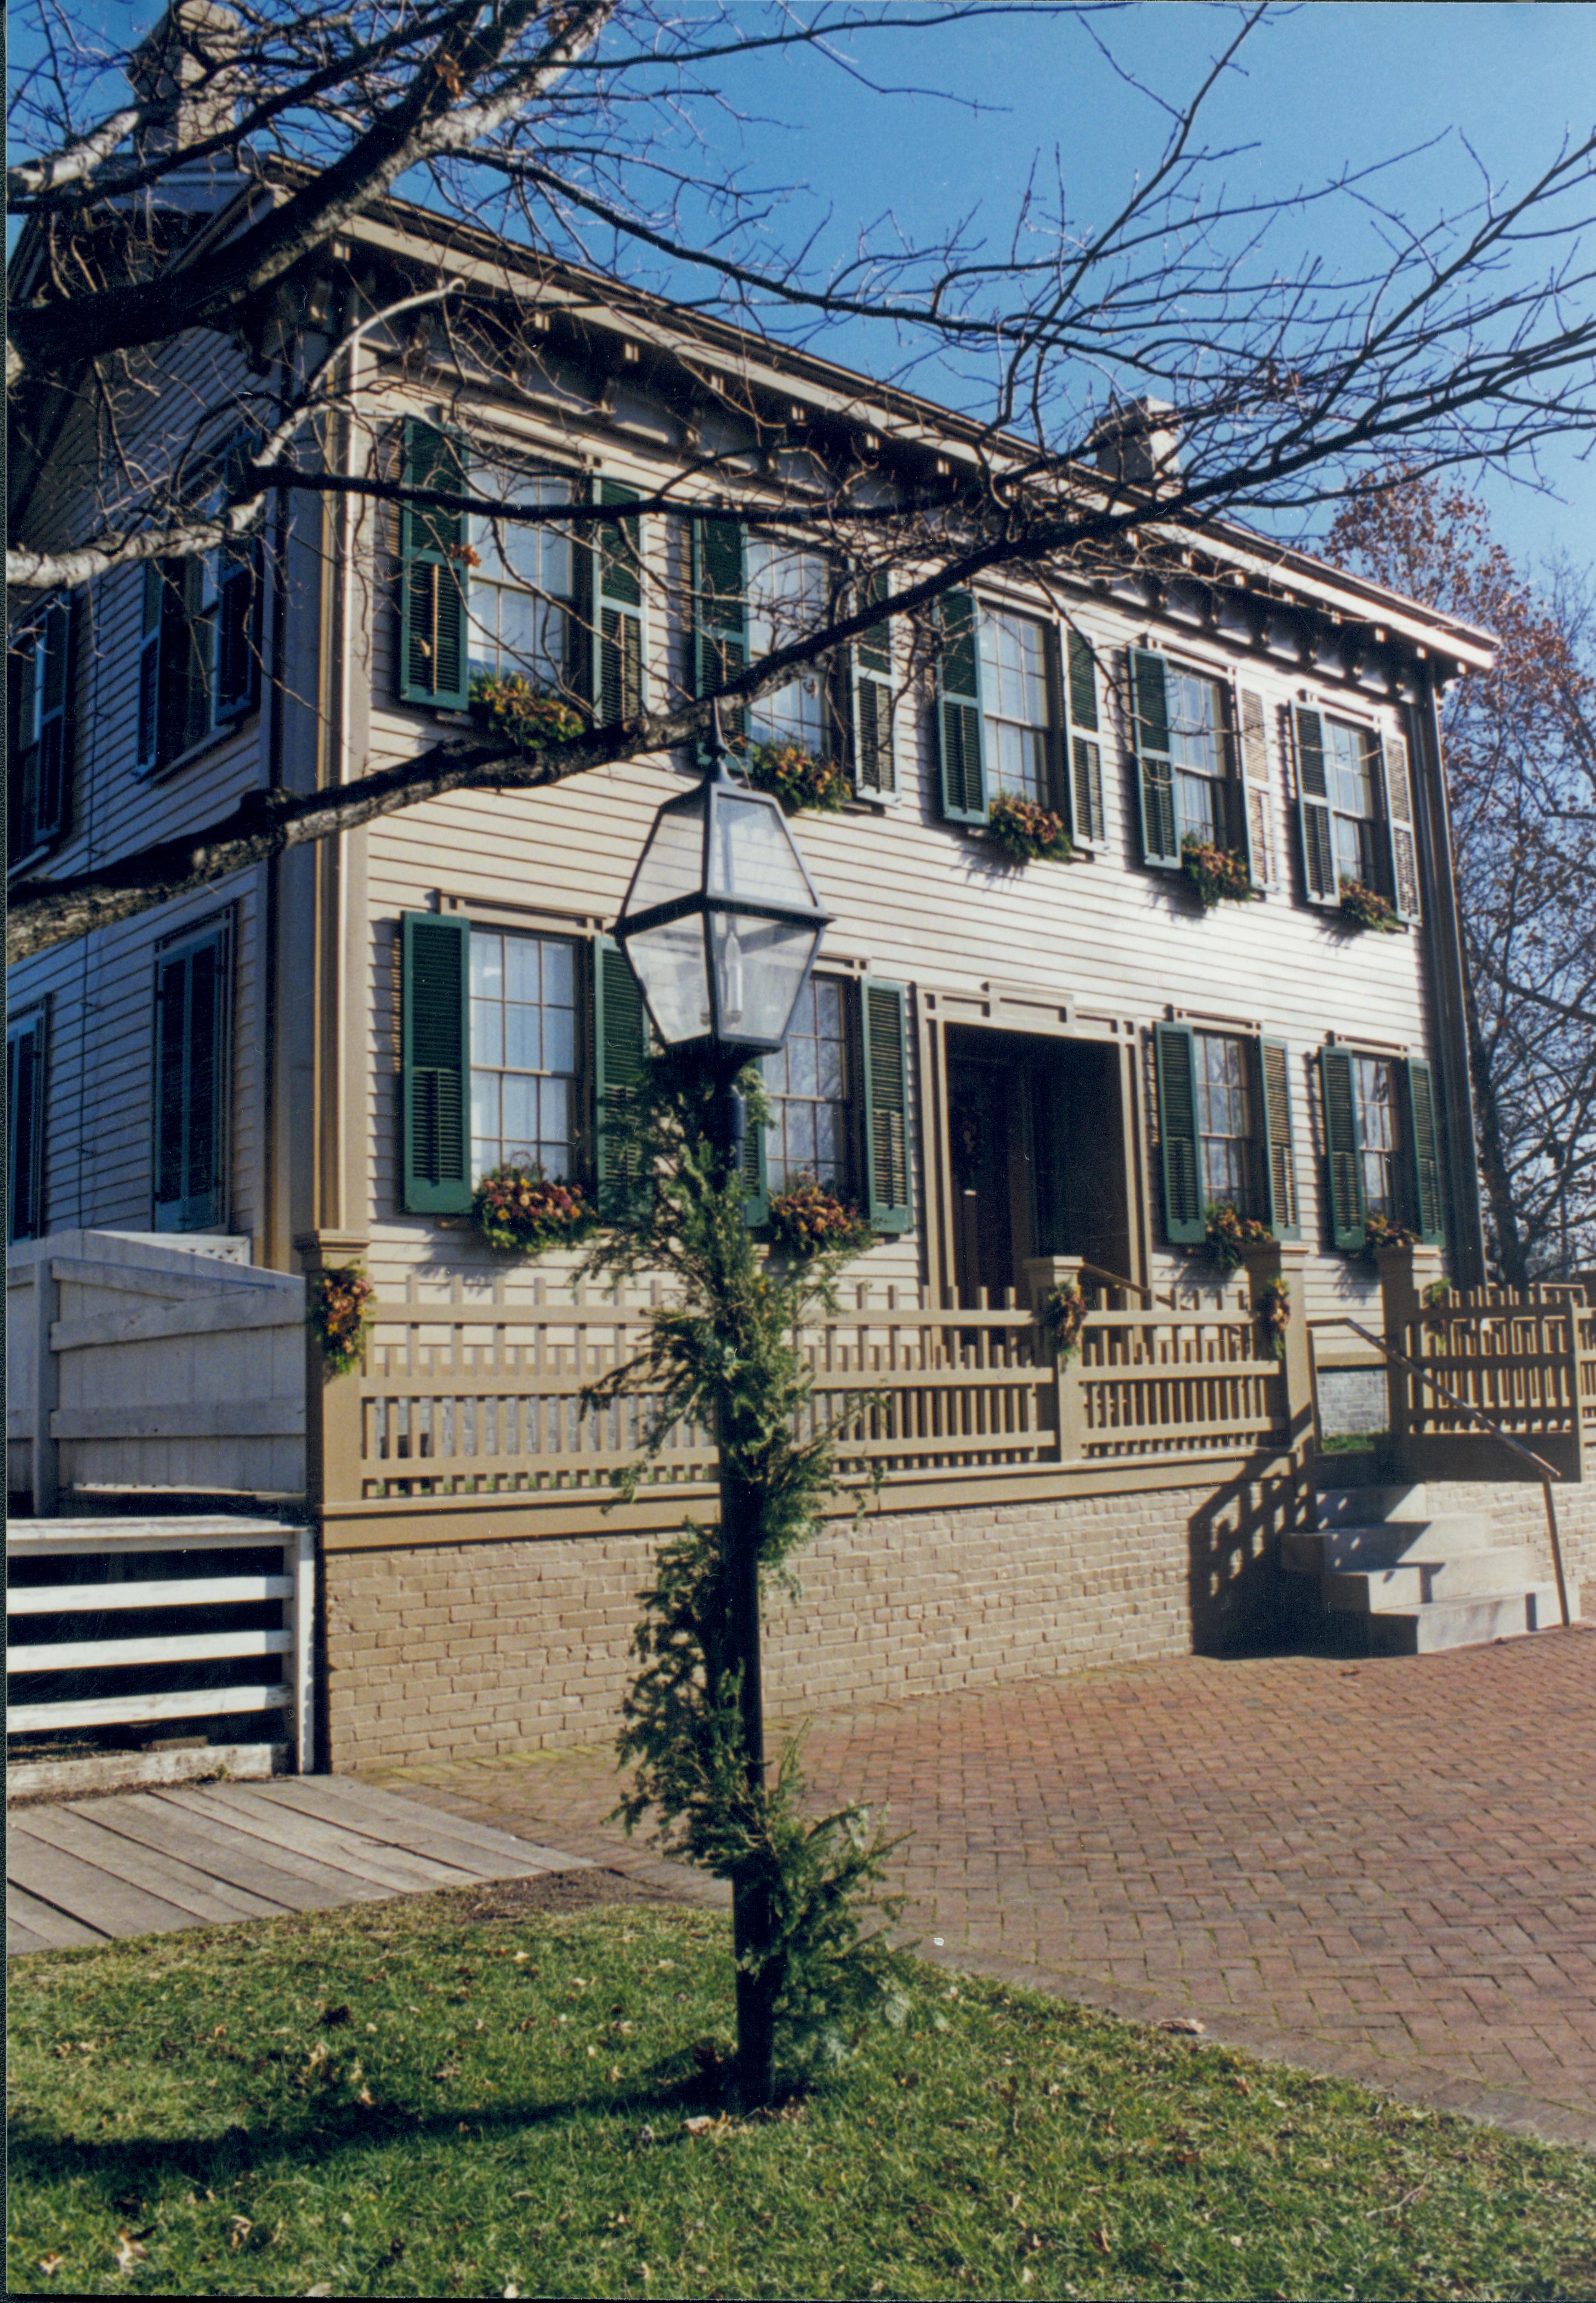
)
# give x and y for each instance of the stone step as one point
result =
(1419, 1583)
(1466, 1622)
(1388, 1543)
(1365, 1506)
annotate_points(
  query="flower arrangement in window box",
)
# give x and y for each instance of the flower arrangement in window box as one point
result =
(504, 703)
(1384, 1231)
(797, 777)
(338, 1312)
(520, 1212)
(1230, 1234)
(1063, 1317)
(1026, 833)
(1365, 907)
(1438, 1302)
(806, 1220)
(1218, 874)
(1272, 1308)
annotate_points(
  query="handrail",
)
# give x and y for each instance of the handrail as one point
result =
(1547, 1471)
(1117, 1279)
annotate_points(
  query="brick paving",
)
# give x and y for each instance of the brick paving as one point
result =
(1384, 1870)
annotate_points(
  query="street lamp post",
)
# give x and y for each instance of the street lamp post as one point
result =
(721, 926)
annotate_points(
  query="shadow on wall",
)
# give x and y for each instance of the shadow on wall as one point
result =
(1234, 1580)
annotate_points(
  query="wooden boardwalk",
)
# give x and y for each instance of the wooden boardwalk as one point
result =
(185, 1856)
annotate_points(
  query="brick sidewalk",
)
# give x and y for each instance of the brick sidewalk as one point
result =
(1385, 1870)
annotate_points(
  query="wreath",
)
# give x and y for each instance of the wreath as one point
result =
(338, 1314)
(797, 777)
(1273, 1306)
(520, 1211)
(1437, 1300)
(507, 704)
(1028, 833)
(807, 1220)
(1218, 874)
(1366, 907)
(1381, 1231)
(1231, 1236)
(1063, 1317)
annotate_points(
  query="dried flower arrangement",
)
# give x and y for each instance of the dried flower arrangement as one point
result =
(1063, 1317)
(507, 704)
(1028, 833)
(1366, 907)
(1383, 1231)
(1218, 874)
(797, 778)
(338, 1312)
(806, 1220)
(1272, 1305)
(1437, 1300)
(521, 1211)
(1230, 1235)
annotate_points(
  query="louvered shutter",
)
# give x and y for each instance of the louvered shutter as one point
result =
(433, 575)
(756, 1207)
(1176, 1059)
(720, 615)
(617, 591)
(150, 627)
(884, 1033)
(25, 1075)
(1084, 781)
(1423, 1150)
(1315, 828)
(870, 681)
(1403, 859)
(1254, 785)
(1344, 1166)
(959, 732)
(192, 1084)
(1150, 727)
(238, 610)
(1280, 1166)
(619, 1053)
(435, 1063)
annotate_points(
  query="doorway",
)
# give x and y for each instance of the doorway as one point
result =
(1035, 1157)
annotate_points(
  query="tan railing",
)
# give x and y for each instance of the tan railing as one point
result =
(470, 1398)
(1526, 1358)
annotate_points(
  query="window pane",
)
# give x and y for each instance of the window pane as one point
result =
(808, 1089)
(559, 1039)
(523, 1037)
(1194, 723)
(523, 1050)
(1014, 697)
(1225, 1121)
(553, 1101)
(787, 597)
(487, 1031)
(487, 963)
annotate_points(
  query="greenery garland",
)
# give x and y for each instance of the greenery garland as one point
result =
(337, 1312)
(1437, 1300)
(1272, 1307)
(806, 1220)
(1063, 1317)
(1230, 1234)
(507, 704)
(1028, 833)
(1218, 874)
(798, 777)
(723, 1354)
(520, 1211)
(1365, 907)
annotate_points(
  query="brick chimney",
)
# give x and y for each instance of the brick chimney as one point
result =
(1139, 443)
(189, 46)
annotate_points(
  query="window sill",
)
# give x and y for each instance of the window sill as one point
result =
(170, 768)
(19, 867)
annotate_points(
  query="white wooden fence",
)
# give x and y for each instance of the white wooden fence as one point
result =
(119, 1606)
(134, 1365)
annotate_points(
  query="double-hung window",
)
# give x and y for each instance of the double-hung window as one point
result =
(192, 1079)
(809, 1087)
(1225, 1130)
(522, 589)
(1382, 1145)
(1017, 717)
(25, 1124)
(525, 1053)
(1226, 1126)
(39, 768)
(1380, 1134)
(1354, 812)
(198, 636)
(1352, 772)
(1197, 757)
(787, 596)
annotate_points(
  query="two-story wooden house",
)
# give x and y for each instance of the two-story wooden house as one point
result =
(1017, 1070)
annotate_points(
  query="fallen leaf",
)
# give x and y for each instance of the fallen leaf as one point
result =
(697, 2125)
(242, 2229)
(364, 2097)
(322, 2287)
(614, 2073)
(50, 2264)
(1186, 2024)
(127, 2251)
(1102, 2242)
(646, 2134)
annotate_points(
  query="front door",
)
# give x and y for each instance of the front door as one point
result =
(990, 1159)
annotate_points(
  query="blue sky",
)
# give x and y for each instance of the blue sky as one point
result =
(1323, 85)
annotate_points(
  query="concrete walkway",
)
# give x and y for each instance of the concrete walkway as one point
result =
(1383, 1870)
(80, 1871)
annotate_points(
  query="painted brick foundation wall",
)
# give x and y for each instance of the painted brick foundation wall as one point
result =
(482, 1648)
(1520, 1512)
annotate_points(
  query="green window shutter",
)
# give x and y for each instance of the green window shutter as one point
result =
(1084, 781)
(884, 1032)
(1423, 1149)
(870, 684)
(958, 712)
(149, 666)
(1280, 1166)
(433, 575)
(1176, 1059)
(1254, 792)
(1150, 722)
(191, 1084)
(609, 641)
(1314, 810)
(1343, 1167)
(719, 614)
(25, 1075)
(619, 1053)
(435, 1063)
(757, 1208)
(1402, 855)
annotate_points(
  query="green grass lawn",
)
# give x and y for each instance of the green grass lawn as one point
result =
(469, 2095)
